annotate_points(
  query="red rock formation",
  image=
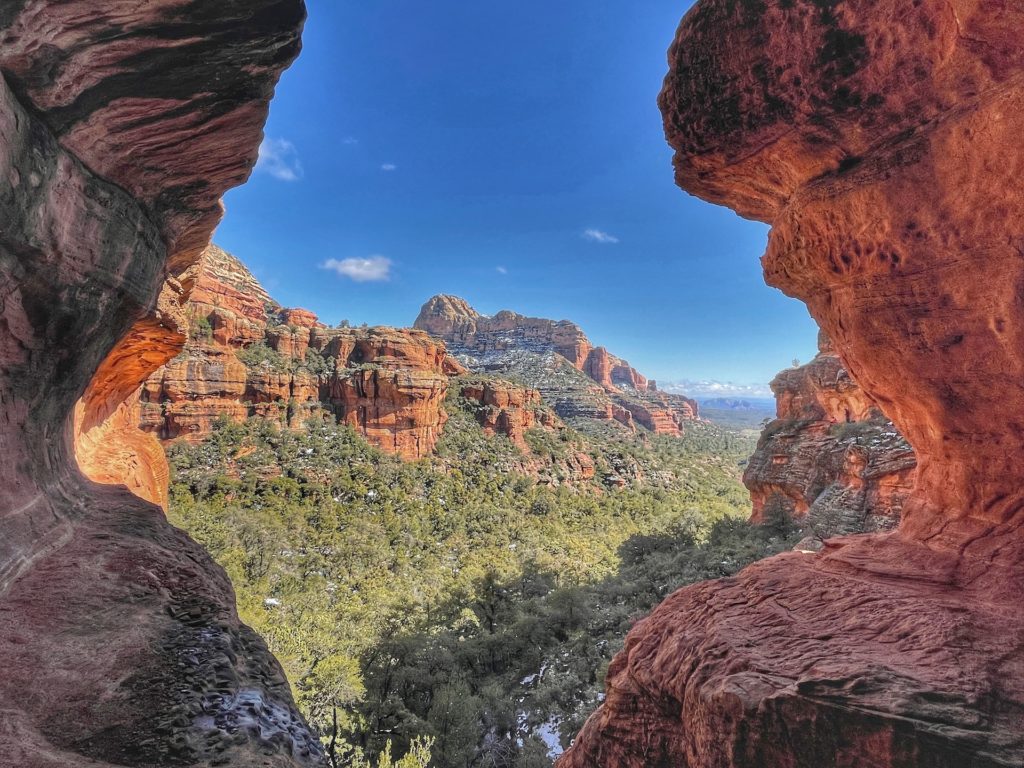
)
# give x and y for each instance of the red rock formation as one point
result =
(495, 343)
(301, 318)
(830, 458)
(121, 125)
(882, 142)
(225, 294)
(115, 451)
(509, 409)
(388, 383)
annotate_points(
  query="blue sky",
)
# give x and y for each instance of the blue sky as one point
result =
(511, 154)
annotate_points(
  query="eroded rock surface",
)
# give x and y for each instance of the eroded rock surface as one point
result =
(546, 354)
(505, 408)
(121, 125)
(882, 142)
(248, 356)
(831, 459)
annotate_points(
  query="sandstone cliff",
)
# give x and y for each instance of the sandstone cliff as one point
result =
(830, 459)
(882, 142)
(121, 126)
(248, 356)
(508, 409)
(546, 354)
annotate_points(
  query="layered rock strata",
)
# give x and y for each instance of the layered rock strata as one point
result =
(508, 409)
(539, 351)
(121, 125)
(882, 142)
(248, 356)
(831, 459)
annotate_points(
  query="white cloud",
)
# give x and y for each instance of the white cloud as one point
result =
(501, 270)
(597, 236)
(280, 159)
(373, 269)
(350, 140)
(389, 167)
(712, 388)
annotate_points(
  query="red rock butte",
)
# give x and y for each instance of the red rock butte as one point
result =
(122, 124)
(881, 140)
(623, 394)
(830, 459)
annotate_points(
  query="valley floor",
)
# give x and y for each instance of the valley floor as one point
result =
(456, 607)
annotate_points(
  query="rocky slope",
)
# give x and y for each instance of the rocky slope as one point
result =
(121, 125)
(556, 357)
(830, 459)
(882, 142)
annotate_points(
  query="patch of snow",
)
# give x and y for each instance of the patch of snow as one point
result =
(548, 733)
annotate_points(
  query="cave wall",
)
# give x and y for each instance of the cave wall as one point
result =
(121, 125)
(881, 140)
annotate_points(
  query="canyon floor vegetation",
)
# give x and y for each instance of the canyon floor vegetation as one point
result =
(451, 611)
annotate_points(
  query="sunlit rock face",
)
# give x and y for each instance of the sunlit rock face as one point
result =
(882, 142)
(505, 408)
(512, 343)
(830, 459)
(121, 125)
(388, 383)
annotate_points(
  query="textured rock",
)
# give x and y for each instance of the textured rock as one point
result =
(388, 383)
(115, 451)
(830, 458)
(512, 343)
(227, 296)
(121, 125)
(874, 652)
(509, 409)
(882, 142)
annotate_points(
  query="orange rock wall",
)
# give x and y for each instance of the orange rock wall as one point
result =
(508, 409)
(881, 140)
(830, 458)
(390, 384)
(121, 126)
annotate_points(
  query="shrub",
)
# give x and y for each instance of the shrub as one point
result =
(259, 354)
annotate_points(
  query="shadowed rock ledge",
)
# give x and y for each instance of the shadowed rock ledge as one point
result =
(830, 459)
(121, 125)
(882, 142)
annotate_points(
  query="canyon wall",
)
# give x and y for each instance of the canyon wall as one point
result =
(248, 356)
(881, 141)
(121, 126)
(831, 459)
(535, 348)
